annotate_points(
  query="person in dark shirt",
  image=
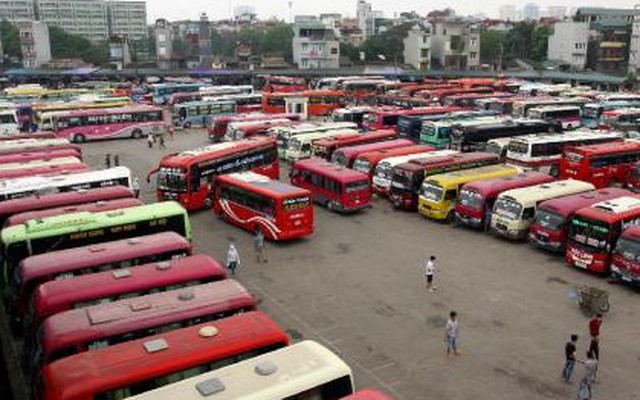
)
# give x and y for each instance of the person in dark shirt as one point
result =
(570, 358)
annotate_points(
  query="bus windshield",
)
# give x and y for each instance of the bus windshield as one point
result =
(432, 192)
(518, 147)
(428, 130)
(591, 112)
(371, 118)
(356, 186)
(507, 208)
(590, 233)
(402, 179)
(548, 219)
(384, 170)
(629, 249)
(361, 165)
(471, 198)
(174, 179)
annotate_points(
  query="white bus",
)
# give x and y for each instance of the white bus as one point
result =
(235, 130)
(522, 107)
(383, 172)
(284, 133)
(302, 371)
(514, 210)
(300, 146)
(568, 116)
(9, 122)
(22, 187)
(543, 152)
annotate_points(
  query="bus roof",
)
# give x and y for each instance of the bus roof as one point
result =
(632, 232)
(491, 187)
(111, 368)
(418, 111)
(215, 150)
(423, 163)
(312, 136)
(77, 258)
(53, 294)
(354, 151)
(102, 111)
(533, 194)
(84, 221)
(33, 203)
(303, 365)
(606, 148)
(203, 103)
(396, 160)
(31, 164)
(325, 168)
(378, 155)
(554, 108)
(97, 206)
(39, 155)
(613, 210)
(367, 394)
(370, 136)
(567, 205)
(463, 175)
(565, 136)
(157, 309)
(263, 184)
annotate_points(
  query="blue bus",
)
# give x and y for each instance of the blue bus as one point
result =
(199, 113)
(409, 126)
(162, 91)
(592, 112)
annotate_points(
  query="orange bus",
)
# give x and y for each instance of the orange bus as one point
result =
(321, 102)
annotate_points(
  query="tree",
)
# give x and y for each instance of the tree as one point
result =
(492, 45)
(10, 39)
(519, 40)
(67, 45)
(350, 51)
(540, 43)
(279, 39)
(389, 44)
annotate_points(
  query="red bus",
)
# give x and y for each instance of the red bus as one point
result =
(137, 366)
(549, 228)
(321, 102)
(98, 206)
(346, 156)
(402, 101)
(34, 135)
(31, 146)
(324, 148)
(367, 394)
(39, 155)
(218, 127)
(283, 84)
(249, 129)
(60, 295)
(476, 199)
(367, 162)
(64, 264)
(66, 166)
(187, 177)
(408, 177)
(35, 203)
(603, 165)
(625, 266)
(103, 325)
(255, 202)
(388, 119)
(470, 99)
(411, 90)
(594, 231)
(440, 94)
(337, 188)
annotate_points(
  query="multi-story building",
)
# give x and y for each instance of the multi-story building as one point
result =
(609, 37)
(455, 43)
(634, 45)
(127, 18)
(163, 34)
(34, 43)
(367, 18)
(417, 47)
(568, 43)
(94, 19)
(314, 44)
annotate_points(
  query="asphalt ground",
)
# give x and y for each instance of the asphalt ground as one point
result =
(357, 287)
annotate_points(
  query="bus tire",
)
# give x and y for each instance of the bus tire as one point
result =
(569, 127)
(79, 138)
(136, 134)
(187, 125)
(208, 202)
(330, 206)
(451, 216)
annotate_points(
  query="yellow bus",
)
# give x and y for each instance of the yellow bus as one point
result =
(514, 210)
(439, 193)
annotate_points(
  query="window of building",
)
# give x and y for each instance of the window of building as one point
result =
(425, 39)
(424, 53)
(334, 50)
(473, 55)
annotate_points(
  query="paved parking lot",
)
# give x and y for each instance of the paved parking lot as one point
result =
(356, 286)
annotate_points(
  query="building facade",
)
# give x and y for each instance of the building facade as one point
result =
(568, 43)
(314, 44)
(417, 47)
(455, 43)
(127, 18)
(34, 43)
(17, 10)
(634, 44)
(367, 17)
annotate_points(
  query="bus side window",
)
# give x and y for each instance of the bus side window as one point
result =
(528, 213)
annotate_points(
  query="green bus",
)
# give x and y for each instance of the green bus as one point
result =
(438, 133)
(60, 232)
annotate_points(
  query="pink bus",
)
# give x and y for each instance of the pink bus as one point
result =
(347, 155)
(105, 123)
(39, 155)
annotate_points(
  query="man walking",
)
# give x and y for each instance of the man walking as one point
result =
(429, 271)
(451, 334)
(590, 368)
(116, 160)
(150, 140)
(161, 142)
(107, 161)
(233, 259)
(570, 358)
(258, 244)
(136, 186)
(594, 330)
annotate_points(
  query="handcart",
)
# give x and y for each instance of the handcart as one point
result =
(592, 299)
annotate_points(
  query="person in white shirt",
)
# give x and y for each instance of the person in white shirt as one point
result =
(136, 186)
(451, 334)
(429, 272)
(233, 259)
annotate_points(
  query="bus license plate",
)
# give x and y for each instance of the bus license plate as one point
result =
(581, 263)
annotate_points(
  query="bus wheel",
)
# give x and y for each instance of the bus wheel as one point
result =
(450, 217)
(208, 202)
(136, 134)
(569, 127)
(79, 138)
(330, 206)
(187, 125)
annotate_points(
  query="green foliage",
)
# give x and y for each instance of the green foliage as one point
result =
(492, 45)
(519, 40)
(540, 43)
(388, 44)
(67, 45)
(275, 39)
(350, 51)
(10, 39)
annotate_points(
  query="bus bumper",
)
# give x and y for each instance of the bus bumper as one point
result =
(509, 233)
(542, 243)
(428, 211)
(476, 223)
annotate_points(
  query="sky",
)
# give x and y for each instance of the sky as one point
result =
(220, 9)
